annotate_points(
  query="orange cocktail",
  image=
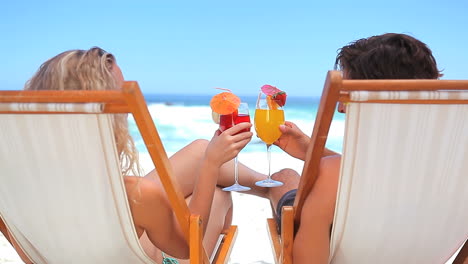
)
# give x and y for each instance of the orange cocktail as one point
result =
(269, 115)
(267, 124)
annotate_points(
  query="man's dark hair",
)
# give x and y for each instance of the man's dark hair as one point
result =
(387, 56)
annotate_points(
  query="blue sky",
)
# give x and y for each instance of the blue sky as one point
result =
(191, 47)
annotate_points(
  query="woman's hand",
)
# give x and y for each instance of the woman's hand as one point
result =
(226, 145)
(293, 141)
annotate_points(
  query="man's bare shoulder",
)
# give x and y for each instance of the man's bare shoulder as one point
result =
(330, 164)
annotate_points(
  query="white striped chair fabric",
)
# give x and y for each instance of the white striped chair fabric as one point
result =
(403, 190)
(62, 193)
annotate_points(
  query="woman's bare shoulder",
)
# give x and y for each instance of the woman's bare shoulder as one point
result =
(152, 212)
(143, 190)
(147, 201)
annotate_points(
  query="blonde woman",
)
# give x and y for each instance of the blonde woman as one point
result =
(155, 224)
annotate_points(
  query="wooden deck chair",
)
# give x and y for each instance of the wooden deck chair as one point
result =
(403, 188)
(62, 194)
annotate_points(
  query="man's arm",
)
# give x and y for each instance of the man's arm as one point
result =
(329, 152)
(311, 244)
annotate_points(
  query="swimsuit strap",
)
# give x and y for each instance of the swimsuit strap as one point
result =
(169, 260)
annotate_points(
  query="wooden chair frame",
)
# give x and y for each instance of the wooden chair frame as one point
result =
(131, 100)
(337, 90)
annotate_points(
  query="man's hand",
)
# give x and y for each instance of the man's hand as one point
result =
(293, 141)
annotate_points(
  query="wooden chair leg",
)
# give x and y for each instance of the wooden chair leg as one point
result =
(287, 234)
(274, 239)
(4, 230)
(197, 253)
(226, 245)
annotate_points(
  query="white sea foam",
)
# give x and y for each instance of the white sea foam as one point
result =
(180, 124)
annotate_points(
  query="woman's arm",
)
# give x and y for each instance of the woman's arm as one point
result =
(222, 148)
(152, 208)
(311, 244)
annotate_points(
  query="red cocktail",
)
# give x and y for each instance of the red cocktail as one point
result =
(241, 119)
(240, 115)
(228, 121)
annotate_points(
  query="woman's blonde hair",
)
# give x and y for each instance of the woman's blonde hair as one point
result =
(89, 70)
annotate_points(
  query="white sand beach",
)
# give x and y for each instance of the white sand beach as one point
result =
(250, 213)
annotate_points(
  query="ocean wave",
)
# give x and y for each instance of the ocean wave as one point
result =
(180, 124)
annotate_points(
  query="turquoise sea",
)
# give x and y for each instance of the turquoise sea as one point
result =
(182, 119)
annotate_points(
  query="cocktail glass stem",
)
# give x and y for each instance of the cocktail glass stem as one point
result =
(269, 160)
(236, 186)
(269, 182)
(236, 171)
